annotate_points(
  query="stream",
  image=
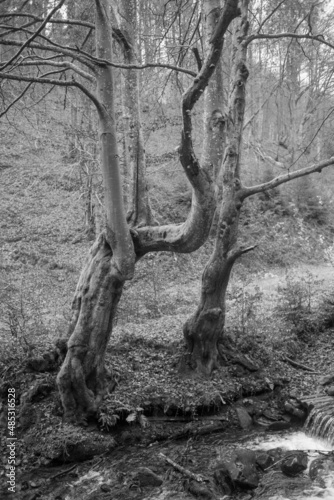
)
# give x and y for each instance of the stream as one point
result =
(89, 484)
(300, 441)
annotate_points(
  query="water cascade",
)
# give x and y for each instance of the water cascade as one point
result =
(320, 421)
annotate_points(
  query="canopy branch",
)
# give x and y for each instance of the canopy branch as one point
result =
(281, 179)
(34, 35)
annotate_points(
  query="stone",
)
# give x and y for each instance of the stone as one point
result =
(292, 408)
(245, 419)
(105, 487)
(200, 490)
(146, 477)
(330, 390)
(278, 426)
(264, 461)
(294, 463)
(327, 379)
(316, 466)
(241, 469)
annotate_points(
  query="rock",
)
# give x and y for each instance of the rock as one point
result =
(292, 407)
(330, 390)
(264, 461)
(105, 488)
(146, 477)
(200, 490)
(222, 478)
(327, 379)
(241, 469)
(244, 418)
(316, 466)
(295, 463)
(278, 426)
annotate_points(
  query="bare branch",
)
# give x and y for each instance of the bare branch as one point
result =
(60, 64)
(317, 38)
(62, 51)
(75, 22)
(16, 100)
(27, 42)
(281, 179)
(89, 60)
(270, 15)
(52, 81)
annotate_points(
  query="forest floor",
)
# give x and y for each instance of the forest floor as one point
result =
(193, 423)
(276, 310)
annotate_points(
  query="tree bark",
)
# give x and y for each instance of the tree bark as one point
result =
(204, 329)
(214, 121)
(82, 377)
(139, 209)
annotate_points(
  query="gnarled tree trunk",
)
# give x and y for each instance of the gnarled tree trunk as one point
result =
(81, 380)
(204, 328)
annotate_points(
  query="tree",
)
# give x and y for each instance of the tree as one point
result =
(203, 331)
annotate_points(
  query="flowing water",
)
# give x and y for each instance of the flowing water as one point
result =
(314, 446)
(320, 424)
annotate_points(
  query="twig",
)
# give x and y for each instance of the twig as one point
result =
(299, 365)
(63, 472)
(181, 469)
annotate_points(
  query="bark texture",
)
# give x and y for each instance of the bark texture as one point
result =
(214, 120)
(204, 329)
(139, 209)
(82, 378)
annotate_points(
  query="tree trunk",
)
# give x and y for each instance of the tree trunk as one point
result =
(81, 380)
(139, 209)
(214, 130)
(204, 328)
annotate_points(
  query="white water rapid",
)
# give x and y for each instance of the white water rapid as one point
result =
(313, 445)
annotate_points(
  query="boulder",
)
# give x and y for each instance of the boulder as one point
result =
(245, 419)
(294, 463)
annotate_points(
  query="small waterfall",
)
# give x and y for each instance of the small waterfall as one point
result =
(320, 424)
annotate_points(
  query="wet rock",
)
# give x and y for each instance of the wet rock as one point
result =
(293, 408)
(264, 461)
(105, 488)
(223, 480)
(87, 449)
(241, 469)
(245, 419)
(295, 463)
(278, 426)
(146, 477)
(316, 466)
(327, 379)
(200, 490)
(330, 390)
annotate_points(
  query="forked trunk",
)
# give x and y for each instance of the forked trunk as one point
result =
(82, 378)
(204, 329)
